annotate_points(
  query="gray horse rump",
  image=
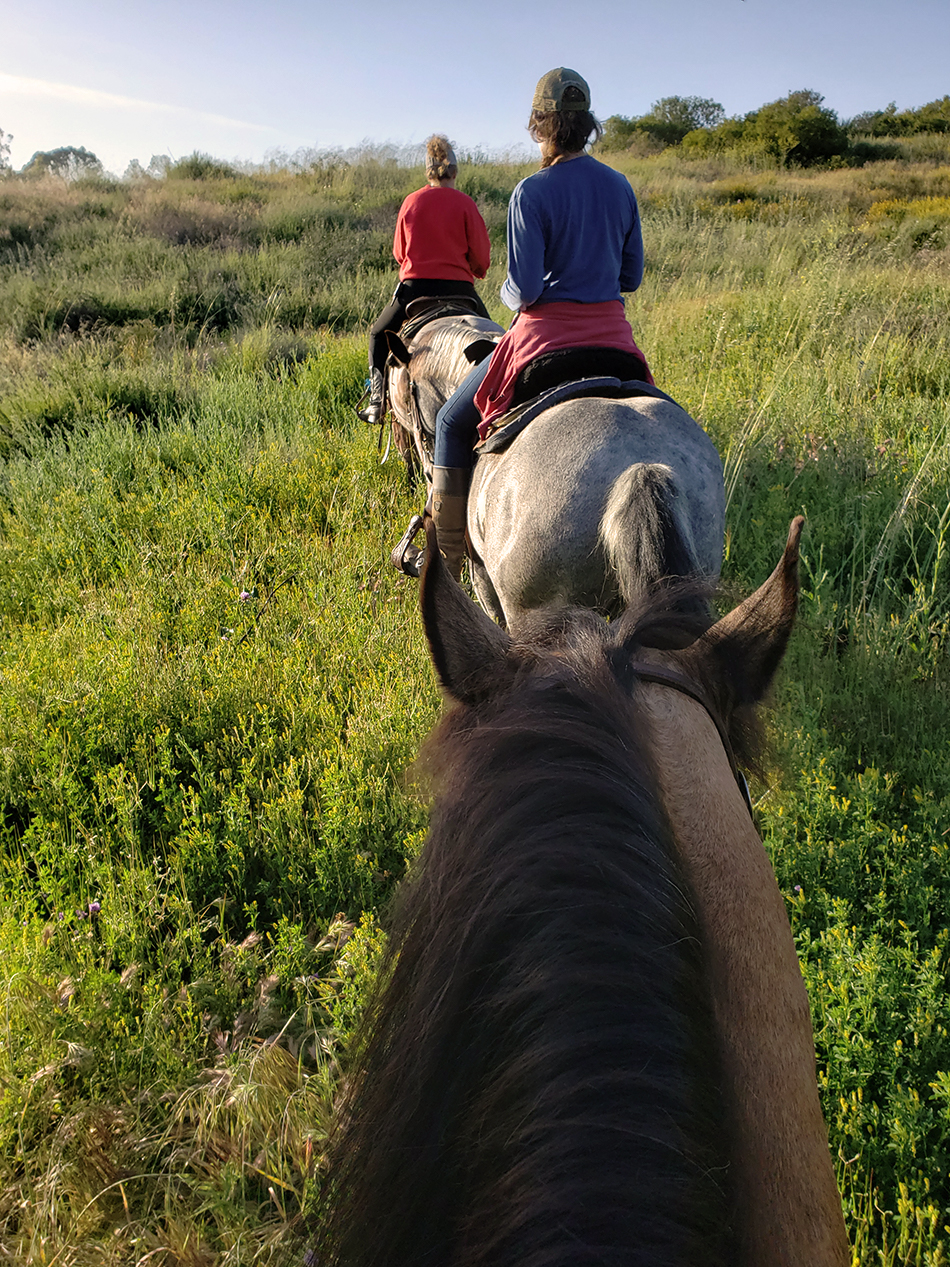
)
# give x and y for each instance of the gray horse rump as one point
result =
(592, 504)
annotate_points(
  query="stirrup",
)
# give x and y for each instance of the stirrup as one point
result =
(372, 415)
(406, 557)
(373, 412)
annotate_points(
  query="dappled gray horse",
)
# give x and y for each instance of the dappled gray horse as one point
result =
(424, 371)
(592, 504)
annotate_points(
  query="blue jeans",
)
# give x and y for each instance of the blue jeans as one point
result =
(457, 421)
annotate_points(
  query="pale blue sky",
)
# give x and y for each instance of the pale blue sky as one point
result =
(132, 78)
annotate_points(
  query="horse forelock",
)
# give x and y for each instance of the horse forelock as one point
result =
(540, 1084)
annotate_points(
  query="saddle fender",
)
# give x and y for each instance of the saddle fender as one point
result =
(397, 349)
(476, 351)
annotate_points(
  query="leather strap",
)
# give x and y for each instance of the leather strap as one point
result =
(664, 676)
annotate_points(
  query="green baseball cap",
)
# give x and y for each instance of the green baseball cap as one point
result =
(549, 94)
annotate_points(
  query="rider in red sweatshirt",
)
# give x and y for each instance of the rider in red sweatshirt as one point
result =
(441, 246)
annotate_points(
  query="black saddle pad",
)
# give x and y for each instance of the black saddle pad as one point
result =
(515, 421)
(567, 365)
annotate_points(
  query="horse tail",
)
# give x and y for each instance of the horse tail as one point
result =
(646, 541)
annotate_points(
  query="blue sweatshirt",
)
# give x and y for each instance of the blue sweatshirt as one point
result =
(573, 234)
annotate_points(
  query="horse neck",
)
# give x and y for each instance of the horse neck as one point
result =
(788, 1210)
(439, 363)
(539, 1085)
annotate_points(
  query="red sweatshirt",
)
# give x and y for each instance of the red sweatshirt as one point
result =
(440, 234)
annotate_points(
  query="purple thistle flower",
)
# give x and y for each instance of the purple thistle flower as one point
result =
(95, 908)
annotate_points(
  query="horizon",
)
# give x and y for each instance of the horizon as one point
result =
(230, 82)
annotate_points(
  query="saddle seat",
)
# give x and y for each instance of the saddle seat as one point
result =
(567, 365)
(607, 387)
(419, 312)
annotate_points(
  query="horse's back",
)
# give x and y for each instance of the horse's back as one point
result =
(552, 517)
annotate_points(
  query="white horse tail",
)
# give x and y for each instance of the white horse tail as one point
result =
(644, 535)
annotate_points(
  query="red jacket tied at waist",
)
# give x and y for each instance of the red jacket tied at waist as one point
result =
(547, 328)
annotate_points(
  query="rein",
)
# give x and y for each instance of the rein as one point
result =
(669, 677)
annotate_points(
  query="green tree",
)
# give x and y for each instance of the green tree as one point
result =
(619, 131)
(69, 162)
(671, 118)
(668, 121)
(874, 122)
(199, 166)
(933, 117)
(727, 135)
(797, 129)
(5, 139)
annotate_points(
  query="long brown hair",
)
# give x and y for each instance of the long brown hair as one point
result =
(563, 131)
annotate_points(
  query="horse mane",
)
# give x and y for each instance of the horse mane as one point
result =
(443, 351)
(535, 1080)
(438, 359)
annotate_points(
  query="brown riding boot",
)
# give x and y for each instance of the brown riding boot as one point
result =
(449, 506)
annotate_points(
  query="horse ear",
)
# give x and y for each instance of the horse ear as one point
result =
(469, 651)
(747, 646)
(397, 349)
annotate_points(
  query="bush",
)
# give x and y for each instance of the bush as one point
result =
(68, 162)
(913, 224)
(667, 122)
(933, 117)
(200, 167)
(795, 130)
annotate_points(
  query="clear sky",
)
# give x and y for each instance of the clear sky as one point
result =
(236, 79)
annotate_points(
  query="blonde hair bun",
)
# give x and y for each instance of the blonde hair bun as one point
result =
(441, 163)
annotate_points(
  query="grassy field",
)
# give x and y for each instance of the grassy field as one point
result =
(213, 684)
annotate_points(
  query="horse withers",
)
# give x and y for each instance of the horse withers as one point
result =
(592, 504)
(590, 1043)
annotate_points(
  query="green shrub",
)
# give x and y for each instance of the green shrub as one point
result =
(200, 167)
(910, 224)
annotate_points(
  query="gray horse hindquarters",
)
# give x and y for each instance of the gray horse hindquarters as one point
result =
(593, 503)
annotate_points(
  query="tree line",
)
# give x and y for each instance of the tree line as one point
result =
(797, 128)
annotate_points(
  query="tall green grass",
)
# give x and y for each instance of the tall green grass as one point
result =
(214, 685)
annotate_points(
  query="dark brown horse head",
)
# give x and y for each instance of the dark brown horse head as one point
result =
(591, 1041)
(784, 1194)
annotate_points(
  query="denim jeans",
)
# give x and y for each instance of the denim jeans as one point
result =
(457, 421)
